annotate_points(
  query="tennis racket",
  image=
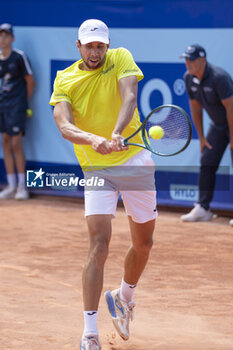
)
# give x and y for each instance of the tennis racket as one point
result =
(177, 131)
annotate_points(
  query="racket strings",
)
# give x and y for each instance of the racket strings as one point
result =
(175, 127)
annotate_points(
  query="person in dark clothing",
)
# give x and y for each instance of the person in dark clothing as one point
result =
(211, 88)
(16, 87)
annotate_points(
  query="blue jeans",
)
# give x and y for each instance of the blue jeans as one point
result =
(210, 160)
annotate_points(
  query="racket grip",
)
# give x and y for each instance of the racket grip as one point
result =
(124, 142)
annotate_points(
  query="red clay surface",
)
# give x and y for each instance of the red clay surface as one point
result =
(184, 299)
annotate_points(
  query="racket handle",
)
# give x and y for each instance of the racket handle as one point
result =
(124, 142)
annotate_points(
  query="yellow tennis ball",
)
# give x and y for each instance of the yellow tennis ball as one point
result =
(29, 113)
(156, 132)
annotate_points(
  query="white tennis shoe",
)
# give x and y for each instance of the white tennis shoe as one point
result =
(90, 342)
(21, 194)
(231, 222)
(197, 214)
(7, 193)
(122, 312)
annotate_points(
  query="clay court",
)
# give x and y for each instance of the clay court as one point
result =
(184, 299)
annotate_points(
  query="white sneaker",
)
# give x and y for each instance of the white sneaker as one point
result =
(121, 312)
(231, 222)
(21, 193)
(197, 214)
(90, 342)
(7, 193)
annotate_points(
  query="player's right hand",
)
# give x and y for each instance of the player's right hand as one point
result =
(101, 145)
(118, 143)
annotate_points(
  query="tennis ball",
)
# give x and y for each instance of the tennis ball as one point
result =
(156, 132)
(29, 113)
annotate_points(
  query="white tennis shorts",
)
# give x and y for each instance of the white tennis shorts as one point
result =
(133, 180)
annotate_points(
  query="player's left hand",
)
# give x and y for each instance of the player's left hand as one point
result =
(117, 143)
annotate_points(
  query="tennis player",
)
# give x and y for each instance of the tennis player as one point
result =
(95, 103)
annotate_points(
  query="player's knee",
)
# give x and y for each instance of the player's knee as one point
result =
(145, 246)
(16, 144)
(6, 142)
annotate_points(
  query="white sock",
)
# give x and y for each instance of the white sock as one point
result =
(21, 180)
(11, 179)
(90, 322)
(127, 291)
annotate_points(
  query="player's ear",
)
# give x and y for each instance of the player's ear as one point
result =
(78, 44)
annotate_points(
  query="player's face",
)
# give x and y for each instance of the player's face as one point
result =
(195, 67)
(6, 40)
(93, 54)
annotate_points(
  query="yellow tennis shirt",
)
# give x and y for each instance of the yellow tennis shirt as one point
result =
(95, 100)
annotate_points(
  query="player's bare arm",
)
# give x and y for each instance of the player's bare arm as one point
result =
(65, 122)
(30, 85)
(128, 87)
(196, 111)
(228, 104)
